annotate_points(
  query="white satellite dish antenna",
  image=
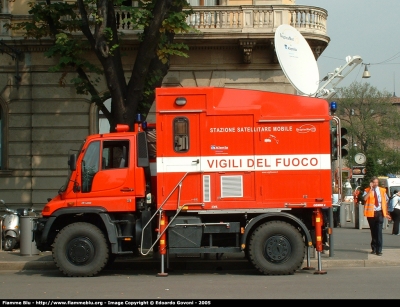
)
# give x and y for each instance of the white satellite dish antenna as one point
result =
(297, 60)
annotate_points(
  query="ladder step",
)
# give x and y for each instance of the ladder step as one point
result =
(124, 252)
(119, 221)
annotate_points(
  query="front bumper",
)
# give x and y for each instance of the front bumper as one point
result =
(40, 232)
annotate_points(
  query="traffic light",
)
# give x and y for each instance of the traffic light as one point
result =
(334, 143)
(343, 140)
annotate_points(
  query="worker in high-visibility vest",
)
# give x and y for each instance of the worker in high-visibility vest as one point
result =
(375, 209)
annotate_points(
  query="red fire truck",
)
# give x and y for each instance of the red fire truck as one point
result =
(220, 171)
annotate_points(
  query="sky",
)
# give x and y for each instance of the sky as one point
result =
(369, 29)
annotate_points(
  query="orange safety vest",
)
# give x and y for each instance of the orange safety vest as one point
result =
(370, 203)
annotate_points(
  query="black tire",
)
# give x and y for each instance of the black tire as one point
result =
(110, 262)
(9, 243)
(80, 250)
(276, 248)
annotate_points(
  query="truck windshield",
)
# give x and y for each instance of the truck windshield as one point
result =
(90, 165)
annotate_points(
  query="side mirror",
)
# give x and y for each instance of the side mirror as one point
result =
(72, 162)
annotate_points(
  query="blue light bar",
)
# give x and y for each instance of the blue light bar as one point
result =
(333, 106)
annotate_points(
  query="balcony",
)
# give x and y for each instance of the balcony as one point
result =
(250, 25)
(244, 19)
(251, 19)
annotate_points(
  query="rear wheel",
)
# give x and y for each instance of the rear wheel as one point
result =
(276, 248)
(80, 250)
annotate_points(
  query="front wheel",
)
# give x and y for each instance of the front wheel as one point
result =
(276, 248)
(80, 250)
(10, 243)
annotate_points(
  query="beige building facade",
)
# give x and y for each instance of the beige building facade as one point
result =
(43, 122)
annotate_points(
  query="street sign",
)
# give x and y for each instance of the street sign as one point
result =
(358, 171)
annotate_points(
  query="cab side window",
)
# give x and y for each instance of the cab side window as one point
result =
(181, 134)
(115, 154)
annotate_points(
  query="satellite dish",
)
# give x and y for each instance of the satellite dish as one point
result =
(297, 60)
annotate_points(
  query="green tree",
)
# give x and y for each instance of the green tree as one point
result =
(372, 122)
(65, 22)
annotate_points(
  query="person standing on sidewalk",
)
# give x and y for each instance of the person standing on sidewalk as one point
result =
(375, 210)
(395, 214)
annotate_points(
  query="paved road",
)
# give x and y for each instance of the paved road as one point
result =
(339, 283)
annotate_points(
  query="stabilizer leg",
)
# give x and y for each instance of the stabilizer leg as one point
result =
(319, 271)
(308, 267)
(163, 241)
(318, 223)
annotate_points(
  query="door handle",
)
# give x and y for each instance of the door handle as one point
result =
(196, 161)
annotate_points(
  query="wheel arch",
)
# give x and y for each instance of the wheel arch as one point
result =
(97, 216)
(275, 216)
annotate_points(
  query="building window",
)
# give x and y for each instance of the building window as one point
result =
(211, 2)
(203, 2)
(104, 125)
(5, 7)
